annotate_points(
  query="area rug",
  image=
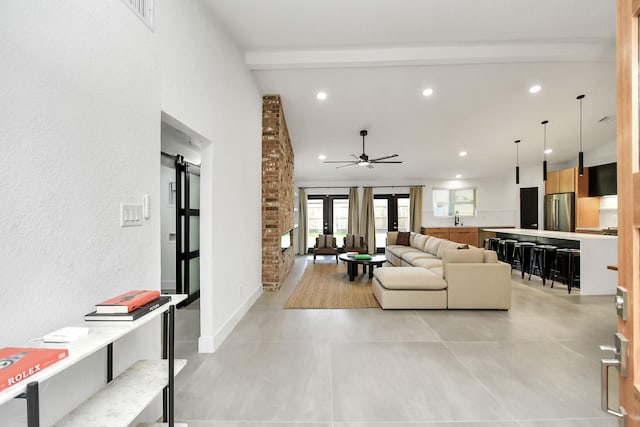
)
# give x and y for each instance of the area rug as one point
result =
(328, 286)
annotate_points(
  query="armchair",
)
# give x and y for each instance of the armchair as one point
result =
(325, 245)
(355, 243)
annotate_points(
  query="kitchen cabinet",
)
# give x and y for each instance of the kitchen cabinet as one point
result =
(552, 185)
(567, 180)
(464, 235)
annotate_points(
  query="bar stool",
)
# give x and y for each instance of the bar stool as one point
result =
(505, 250)
(522, 256)
(494, 243)
(542, 259)
(575, 269)
(486, 243)
(562, 267)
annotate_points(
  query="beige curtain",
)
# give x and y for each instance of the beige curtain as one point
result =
(353, 225)
(415, 209)
(302, 222)
(367, 222)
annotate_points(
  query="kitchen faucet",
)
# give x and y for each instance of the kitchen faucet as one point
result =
(456, 219)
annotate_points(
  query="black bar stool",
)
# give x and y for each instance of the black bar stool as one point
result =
(542, 259)
(486, 243)
(493, 243)
(575, 269)
(562, 267)
(522, 256)
(505, 250)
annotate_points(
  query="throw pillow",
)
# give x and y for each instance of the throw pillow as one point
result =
(463, 247)
(403, 238)
(325, 241)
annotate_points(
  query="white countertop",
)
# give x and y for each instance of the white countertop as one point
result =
(552, 234)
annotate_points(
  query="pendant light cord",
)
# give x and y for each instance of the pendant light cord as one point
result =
(581, 123)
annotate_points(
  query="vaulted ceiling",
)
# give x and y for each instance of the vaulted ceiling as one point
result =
(373, 59)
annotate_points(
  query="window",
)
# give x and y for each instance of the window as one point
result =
(448, 202)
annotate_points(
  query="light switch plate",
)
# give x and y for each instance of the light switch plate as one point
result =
(130, 215)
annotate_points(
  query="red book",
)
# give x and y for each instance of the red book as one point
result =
(127, 302)
(18, 364)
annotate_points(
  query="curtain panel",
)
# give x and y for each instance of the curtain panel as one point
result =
(302, 222)
(353, 225)
(415, 209)
(367, 222)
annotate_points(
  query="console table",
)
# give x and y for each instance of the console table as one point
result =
(122, 399)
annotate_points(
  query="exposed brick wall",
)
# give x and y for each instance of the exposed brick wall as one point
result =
(277, 193)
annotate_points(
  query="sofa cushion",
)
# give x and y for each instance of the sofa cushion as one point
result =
(464, 255)
(438, 271)
(408, 278)
(399, 250)
(490, 256)
(403, 238)
(410, 257)
(427, 262)
(391, 238)
(445, 246)
(433, 244)
(420, 242)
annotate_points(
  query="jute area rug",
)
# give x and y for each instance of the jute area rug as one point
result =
(328, 286)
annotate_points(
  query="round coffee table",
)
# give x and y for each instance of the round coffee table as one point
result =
(352, 264)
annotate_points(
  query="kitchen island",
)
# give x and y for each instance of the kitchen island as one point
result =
(596, 253)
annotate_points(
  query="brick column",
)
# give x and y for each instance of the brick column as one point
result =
(277, 193)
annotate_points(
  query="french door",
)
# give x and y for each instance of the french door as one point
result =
(327, 215)
(391, 213)
(187, 229)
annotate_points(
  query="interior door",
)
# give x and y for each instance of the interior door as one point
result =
(627, 345)
(529, 208)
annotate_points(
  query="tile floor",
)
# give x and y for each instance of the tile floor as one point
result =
(536, 365)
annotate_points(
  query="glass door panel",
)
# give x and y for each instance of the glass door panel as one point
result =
(403, 214)
(340, 219)
(381, 215)
(315, 220)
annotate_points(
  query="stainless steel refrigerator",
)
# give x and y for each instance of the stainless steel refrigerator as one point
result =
(559, 212)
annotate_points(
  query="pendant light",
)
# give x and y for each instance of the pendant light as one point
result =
(544, 163)
(580, 153)
(517, 141)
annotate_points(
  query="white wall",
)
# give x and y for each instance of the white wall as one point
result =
(79, 132)
(82, 87)
(206, 86)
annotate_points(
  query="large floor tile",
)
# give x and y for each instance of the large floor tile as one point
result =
(535, 379)
(256, 424)
(406, 382)
(583, 422)
(264, 323)
(260, 382)
(433, 424)
(375, 324)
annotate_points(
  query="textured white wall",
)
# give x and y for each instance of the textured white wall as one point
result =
(79, 133)
(207, 87)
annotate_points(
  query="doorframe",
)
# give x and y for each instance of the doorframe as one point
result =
(327, 212)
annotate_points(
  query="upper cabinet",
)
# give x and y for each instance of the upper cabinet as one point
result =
(562, 181)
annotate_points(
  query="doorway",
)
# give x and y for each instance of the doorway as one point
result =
(391, 213)
(180, 213)
(327, 215)
(529, 208)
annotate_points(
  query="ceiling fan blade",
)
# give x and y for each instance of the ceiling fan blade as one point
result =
(344, 166)
(355, 157)
(341, 161)
(370, 166)
(383, 158)
(394, 161)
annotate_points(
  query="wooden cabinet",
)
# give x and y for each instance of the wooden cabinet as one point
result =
(567, 180)
(464, 235)
(442, 233)
(552, 185)
(467, 236)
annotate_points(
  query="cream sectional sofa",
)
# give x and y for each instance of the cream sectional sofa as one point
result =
(434, 273)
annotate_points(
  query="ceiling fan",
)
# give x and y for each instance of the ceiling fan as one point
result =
(363, 159)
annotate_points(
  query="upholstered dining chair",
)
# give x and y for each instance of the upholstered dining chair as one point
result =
(355, 243)
(325, 245)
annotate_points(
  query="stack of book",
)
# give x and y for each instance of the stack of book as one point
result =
(18, 364)
(128, 306)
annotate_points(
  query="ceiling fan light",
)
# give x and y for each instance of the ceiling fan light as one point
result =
(363, 163)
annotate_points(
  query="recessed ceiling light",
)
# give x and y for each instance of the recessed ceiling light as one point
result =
(462, 153)
(322, 157)
(535, 89)
(321, 96)
(427, 92)
(458, 176)
(548, 151)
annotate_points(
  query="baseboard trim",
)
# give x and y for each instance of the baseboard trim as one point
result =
(209, 344)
